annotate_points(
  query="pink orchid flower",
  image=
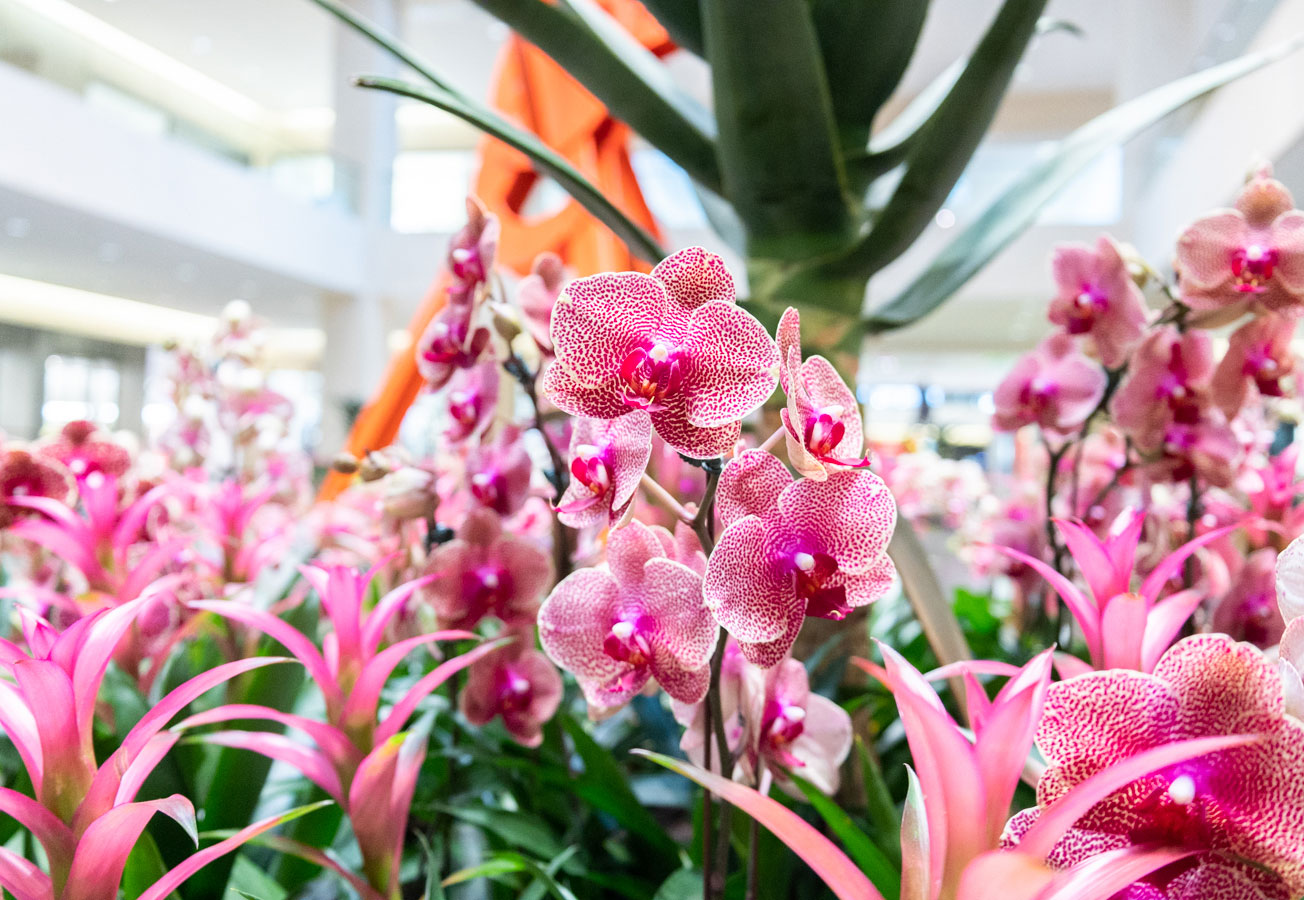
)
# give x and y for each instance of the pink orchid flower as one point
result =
(793, 731)
(822, 417)
(638, 618)
(1290, 603)
(363, 761)
(968, 784)
(537, 294)
(1252, 252)
(1166, 388)
(518, 684)
(1259, 357)
(1055, 386)
(1235, 809)
(85, 814)
(499, 472)
(472, 253)
(792, 549)
(737, 676)
(672, 343)
(1096, 297)
(1248, 611)
(1122, 628)
(450, 342)
(23, 475)
(608, 459)
(1271, 489)
(472, 401)
(82, 450)
(486, 572)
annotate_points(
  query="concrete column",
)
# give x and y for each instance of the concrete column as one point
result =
(363, 145)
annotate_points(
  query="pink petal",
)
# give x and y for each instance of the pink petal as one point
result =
(672, 597)
(628, 549)
(853, 513)
(768, 654)
(788, 338)
(1164, 622)
(751, 600)
(732, 364)
(694, 276)
(682, 683)
(673, 427)
(312, 764)
(598, 320)
(750, 485)
(1204, 252)
(1122, 627)
(574, 621)
(603, 401)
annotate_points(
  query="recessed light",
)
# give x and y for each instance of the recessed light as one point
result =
(18, 227)
(944, 218)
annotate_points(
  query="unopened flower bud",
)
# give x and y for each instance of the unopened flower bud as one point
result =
(345, 463)
(373, 467)
(504, 320)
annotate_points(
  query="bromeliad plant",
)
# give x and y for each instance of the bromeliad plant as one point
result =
(794, 163)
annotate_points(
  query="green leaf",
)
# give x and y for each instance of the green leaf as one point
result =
(932, 607)
(248, 880)
(854, 841)
(1018, 205)
(145, 865)
(779, 152)
(518, 829)
(684, 884)
(878, 803)
(866, 46)
(603, 784)
(944, 144)
(682, 19)
(620, 72)
(544, 158)
(508, 863)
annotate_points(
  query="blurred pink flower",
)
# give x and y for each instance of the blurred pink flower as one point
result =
(1258, 356)
(608, 459)
(1097, 297)
(795, 549)
(485, 572)
(23, 475)
(1238, 807)
(472, 401)
(794, 730)
(640, 617)
(1252, 252)
(822, 416)
(1248, 612)
(1055, 386)
(672, 343)
(82, 450)
(450, 342)
(537, 295)
(499, 472)
(517, 683)
(472, 253)
(1167, 383)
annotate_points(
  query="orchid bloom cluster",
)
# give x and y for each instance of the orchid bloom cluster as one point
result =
(1148, 409)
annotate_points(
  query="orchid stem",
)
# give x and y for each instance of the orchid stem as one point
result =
(772, 440)
(703, 522)
(664, 497)
(708, 813)
(716, 727)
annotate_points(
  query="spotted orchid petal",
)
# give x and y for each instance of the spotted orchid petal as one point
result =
(608, 459)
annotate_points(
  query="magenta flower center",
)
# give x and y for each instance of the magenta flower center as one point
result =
(1087, 305)
(816, 583)
(650, 374)
(464, 407)
(824, 431)
(592, 468)
(781, 724)
(490, 489)
(1038, 395)
(1178, 815)
(1252, 267)
(467, 265)
(627, 642)
(1267, 372)
(512, 690)
(486, 588)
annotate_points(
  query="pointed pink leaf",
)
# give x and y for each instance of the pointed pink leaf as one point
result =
(1100, 571)
(323, 859)
(1155, 581)
(976, 666)
(1006, 738)
(20, 726)
(147, 568)
(22, 878)
(99, 641)
(55, 837)
(373, 629)
(1122, 627)
(1005, 875)
(61, 543)
(142, 766)
(102, 852)
(333, 742)
(289, 637)
(919, 880)
(47, 692)
(60, 512)
(311, 763)
(837, 871)
(403, 710)
(1083, 610)
(132, 521)
(160, 889)
(1104, 875)
(365, 696)
(1055, 821)
(1165, 622)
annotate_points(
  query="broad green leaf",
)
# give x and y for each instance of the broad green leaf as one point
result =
(878, 802)
(1017, 207)
(866, 46)
(682, 19)
(932, 607)
(249, 880)
(620, 72)
(544, 158)
(944, 144)
(854, 841)
(509, 863)
(684, 884)
(518, 829)
(145, 865)
(779, 153)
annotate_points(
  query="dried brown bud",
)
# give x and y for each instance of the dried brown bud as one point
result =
(345, 463)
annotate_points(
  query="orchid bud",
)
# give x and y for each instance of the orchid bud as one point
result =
(345, 463)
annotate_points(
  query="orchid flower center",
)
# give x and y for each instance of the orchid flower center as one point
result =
(824, 431)
(1087, 305)
(487, 587)
(591, 468)
(464, 407)
(1266, 371)
(1252, 267)
(784, 723)
(490, 489)
(815, 576)
(1039, 394)
(627, 642)
(467, 265)
(513, 691)
(1177, 815)
(650, 374)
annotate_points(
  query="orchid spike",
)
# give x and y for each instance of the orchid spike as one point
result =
(792, 549)
(822, 421)
(672, 343)
(1122, 627)
(1055, 386)
(1096, 297)
(968, 785)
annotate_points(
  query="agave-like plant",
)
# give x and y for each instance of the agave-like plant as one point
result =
(794, 165)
